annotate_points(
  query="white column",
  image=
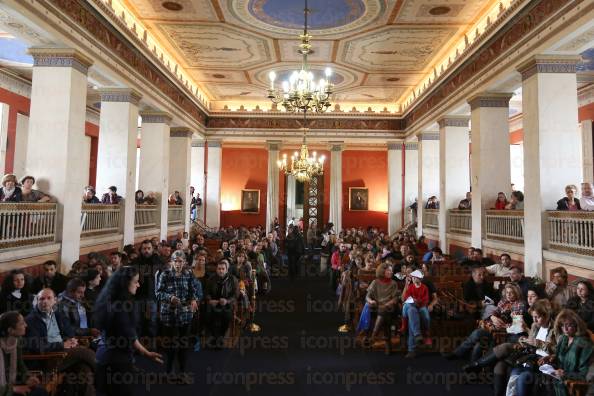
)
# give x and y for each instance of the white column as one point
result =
(587, 150)
(197, 174)
(154, 161)
(516, 160)
(272, 195)
(454, 165)
(411, 176)
(335, 215)
(291, 191)
(491, 170)
(116, 154)
(20, 145)
(180, 147)
(57, 133)
(4, 114)
(428, 182)
(552, 144)
(213, 184)
(394, 186)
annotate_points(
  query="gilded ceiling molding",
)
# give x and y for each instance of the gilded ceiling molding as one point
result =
(85, 16)
(155, 117)
(180, 132)
(548, 64)
(487, 99)
(60, 57)
(124, 95)
(453, 121)
(295, 123)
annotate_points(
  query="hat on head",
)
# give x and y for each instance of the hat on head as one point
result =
(417, 274)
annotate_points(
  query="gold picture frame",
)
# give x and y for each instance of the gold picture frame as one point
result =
(358, 199)
(250, 201)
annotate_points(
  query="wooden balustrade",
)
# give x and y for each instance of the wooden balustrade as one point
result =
(146, 216)
(100, 219)
(505, 225)
(175, 214)
(460, 221)
(431, 218)
(571, 231)
(26, 224)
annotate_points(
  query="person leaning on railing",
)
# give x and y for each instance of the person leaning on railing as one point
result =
(31, 195)
(569, 202)
(516, 202)
(10, 192)
(501, 201)
(89, 196)
(587, 199)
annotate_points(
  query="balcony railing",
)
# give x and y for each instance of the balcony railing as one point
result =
(175, 214)
(505, 225)
(431, 218)
(571, 232)
(98, 219)
(25, 224)
(460, 221)
(146, 216)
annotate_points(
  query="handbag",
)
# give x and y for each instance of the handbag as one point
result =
(364, 319)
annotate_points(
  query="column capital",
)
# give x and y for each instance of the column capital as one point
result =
(273, 145)
(489, 99)
(453, 121)
(155, 117)
(394, 145)
(411, 146)
(197, 143)
(214, 143)
(336, 146)
(125, 95)
(182, 132)
(548, 64)
(60, 57)
(427, 135)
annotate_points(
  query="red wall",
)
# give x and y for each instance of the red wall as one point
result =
(586, 112)
(18, 104)
(243, 168)
(366, 169)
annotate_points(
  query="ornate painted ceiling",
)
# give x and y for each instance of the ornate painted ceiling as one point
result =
(379, 49)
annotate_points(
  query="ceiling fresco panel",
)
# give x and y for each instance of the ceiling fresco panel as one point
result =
(236, 91)
(370, 94)
(175, 9)
(218, 76)
(393, 79)
(440, 11)
(322, 51)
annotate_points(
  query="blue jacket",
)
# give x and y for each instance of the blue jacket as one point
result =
(36, 336)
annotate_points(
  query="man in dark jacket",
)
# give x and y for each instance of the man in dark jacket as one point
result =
(295, 248)
(147, 264)
(50, 279)
(476, 289)
(220, 294)
(71, 306)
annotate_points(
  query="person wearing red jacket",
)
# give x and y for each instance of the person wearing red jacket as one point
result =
(415, 299)
(340, 258)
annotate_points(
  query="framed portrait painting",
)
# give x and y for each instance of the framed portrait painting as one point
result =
(250, 201)
(358, 198)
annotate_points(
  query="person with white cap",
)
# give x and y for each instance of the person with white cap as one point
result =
(416, 298)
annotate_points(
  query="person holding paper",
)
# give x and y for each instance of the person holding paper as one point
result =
(415, 311)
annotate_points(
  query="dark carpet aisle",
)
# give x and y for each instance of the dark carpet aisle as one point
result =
(300, 352)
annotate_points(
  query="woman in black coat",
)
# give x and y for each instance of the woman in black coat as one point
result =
(15, 294)
(570, 202)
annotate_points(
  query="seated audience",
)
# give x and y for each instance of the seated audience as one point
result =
(92, 279)
(382, 296)
(139, 197)
(516, 202)
(10, 192)
(477, 259)
(583, 303)
(111, 197)
(15, 295)
(558, 290)
(220, 296)
(516, 275)
(14, 376)
(415, 311)
(31, 195)
(503, 268)
(50, 279)
(501, 201)
(569, 202)
(587, 199)
(89, 196)
(175, 199)
(466, 203)
(432, 203)
(70, 303)
(476, 289)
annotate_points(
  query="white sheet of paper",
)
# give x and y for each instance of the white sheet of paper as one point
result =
(542, 353)
(542, 334)
(409, 300)
(548, 369)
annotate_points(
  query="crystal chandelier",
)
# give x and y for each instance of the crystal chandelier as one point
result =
(302, 166)
(301, 93)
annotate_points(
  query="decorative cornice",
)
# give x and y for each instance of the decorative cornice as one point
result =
(427, 136)
(15, 83)
(214, 144)
(198, 143)
(155, 117)
(453, 121)
(60, 57)
(411, 146)
(126, 95)
(548, 64)
(336, 146)
(489, 99)
(395, 146)
(297, 123)
(273, 145)
(180, 132)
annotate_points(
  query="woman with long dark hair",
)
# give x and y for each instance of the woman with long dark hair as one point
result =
(115, 317)
(15, 294)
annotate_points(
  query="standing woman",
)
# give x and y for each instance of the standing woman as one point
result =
(178, 295)
(114, 316)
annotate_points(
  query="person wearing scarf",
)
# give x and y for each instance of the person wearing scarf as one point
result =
(382, 296)
(10, 192)
(14, 378)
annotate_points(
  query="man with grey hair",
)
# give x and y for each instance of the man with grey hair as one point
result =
(587, 199)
